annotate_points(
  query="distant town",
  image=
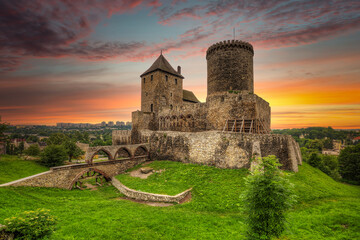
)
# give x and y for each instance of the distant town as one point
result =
(91, 125)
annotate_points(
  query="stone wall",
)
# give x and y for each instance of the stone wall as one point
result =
(223, 150)
(138, 195)
(120, 137)
(65, 176)
(236, 105)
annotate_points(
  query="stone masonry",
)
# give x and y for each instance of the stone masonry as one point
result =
(223, 150)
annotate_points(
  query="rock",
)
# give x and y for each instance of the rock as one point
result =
(146, 170)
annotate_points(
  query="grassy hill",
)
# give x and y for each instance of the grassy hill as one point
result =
(325, 210)
(13, 168)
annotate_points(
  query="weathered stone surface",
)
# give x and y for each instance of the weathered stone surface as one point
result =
(138, 195)
(146, 170)
(223, 149)
(121, 137)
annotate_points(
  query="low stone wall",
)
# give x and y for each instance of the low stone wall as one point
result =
(223, 149)
(64, 176)
(152, 197)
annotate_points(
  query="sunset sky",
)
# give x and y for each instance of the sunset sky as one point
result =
(81, 61)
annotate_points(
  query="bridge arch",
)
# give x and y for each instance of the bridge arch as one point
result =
(122, 152)
(93, 171)
(110, 157)
(141, 151)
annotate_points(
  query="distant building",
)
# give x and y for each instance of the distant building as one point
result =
(129, 124)
(357, 139)
(103, 124)
(120, 124)
(110, 123)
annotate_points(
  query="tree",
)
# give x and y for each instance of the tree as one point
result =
(53, 155)
(72, 150)
(267, 197)
(328, 143)
(3, 127)
(33, 150)
(314, 160)
(349, 164)
(57, 139)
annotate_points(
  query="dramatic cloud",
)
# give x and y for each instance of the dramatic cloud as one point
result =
(56, 28)
(272, 23)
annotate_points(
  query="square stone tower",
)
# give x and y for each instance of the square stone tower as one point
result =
(161, 87)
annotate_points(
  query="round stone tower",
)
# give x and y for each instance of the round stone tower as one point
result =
(230, 67)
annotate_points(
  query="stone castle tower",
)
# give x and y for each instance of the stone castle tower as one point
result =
(230, 67)
(161, 87)
(232, 126)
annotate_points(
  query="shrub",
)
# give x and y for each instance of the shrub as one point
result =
(31, 224)
(53, 155)
(349, 164)
(33, 150)
(267, 196)
(314, 160)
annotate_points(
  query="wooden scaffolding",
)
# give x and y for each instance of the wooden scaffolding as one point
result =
(256, 126)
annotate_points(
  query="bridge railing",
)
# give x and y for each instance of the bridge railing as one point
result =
(109, 162)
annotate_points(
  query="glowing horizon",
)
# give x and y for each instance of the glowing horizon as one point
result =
(85, 67)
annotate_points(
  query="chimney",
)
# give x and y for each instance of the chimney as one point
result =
(179, 70)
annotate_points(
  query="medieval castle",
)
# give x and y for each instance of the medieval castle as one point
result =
(226, 131)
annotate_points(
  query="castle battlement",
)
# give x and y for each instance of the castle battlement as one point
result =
(229, 44)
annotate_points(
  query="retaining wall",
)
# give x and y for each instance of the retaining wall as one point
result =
(152, 197)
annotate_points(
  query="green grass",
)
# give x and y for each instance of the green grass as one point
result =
(325, 210)
(13, 168)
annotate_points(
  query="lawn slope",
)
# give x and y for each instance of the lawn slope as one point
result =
(325, 210)
(13, 168)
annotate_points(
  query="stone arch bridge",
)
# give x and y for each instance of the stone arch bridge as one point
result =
(118, 151)
(70, 176)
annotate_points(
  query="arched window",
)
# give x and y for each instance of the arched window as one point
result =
(144, 80)
(166, 77)
(152, 107)
(151, 77)
(171, 106)
(175, 81)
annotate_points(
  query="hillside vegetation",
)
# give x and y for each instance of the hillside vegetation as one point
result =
(325, 210)
(13, 168)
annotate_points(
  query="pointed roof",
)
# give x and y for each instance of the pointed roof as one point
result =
(162, 64)
(189, 96)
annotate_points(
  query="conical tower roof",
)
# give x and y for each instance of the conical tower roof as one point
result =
(163, 65)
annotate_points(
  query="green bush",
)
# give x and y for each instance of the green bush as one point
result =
(267, 196)
(314, 160)
(31, 224)
(349, 164)
(53, 155)
(33, 150)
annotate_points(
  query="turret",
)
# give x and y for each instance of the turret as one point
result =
(230, 67)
